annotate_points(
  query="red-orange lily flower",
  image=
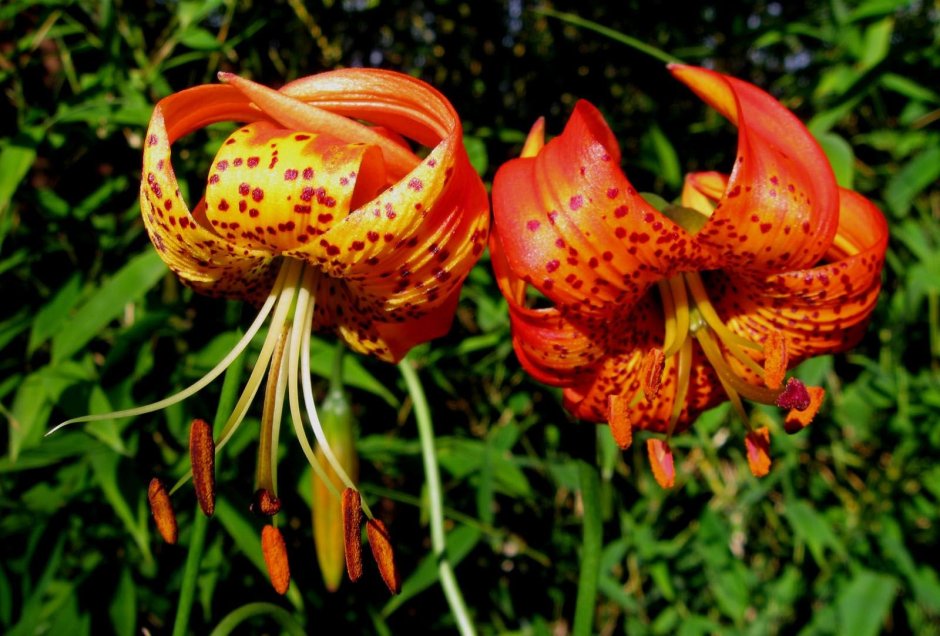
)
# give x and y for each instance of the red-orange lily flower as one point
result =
(318, 210)
(656, 315)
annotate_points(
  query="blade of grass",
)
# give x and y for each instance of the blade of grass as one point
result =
(617, 36)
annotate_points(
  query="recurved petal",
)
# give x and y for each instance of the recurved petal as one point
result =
(572, 224)
(280, 190)
(703, 190)
(415, 243)
(780, 209)
(197, 255)
(369, 326)
(823, 309)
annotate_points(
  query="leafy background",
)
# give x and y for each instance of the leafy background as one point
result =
(841, 537)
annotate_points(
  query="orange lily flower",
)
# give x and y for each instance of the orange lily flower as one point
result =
(656, 315)
(317, 210)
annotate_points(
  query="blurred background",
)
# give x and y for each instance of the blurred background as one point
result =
(840, 538)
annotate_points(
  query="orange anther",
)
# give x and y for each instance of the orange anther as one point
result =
(775, 359)
(797, 420)
(651, 372)
(275, 558)
(620, 426)
(202, 456)
(162, 510)
(265, 503)
(352, 534)
(661, 461)
(757, 444)
(383, 554)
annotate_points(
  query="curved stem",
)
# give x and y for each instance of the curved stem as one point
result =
(433, 479)
(237, 616)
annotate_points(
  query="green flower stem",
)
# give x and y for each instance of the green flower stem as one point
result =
(433, 477)
(591, 543)
(232, 620)
(230, 386)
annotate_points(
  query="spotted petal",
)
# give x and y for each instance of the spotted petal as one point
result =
(822, 309)
(780, 209)
(572, 222)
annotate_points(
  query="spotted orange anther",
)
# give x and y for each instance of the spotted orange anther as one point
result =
(352, 533)
(757, 444)
(775, 359)
(383, 554)
(162, 511)
(275, 558)
(797, 420)
(654, 363)
(265, 503)
(619, 421)
(661, 461)
(202, 456)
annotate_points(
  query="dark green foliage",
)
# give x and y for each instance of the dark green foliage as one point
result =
(840, 538)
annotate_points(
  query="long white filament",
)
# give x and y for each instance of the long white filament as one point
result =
(295, 269)
(293, 396)
(200, 384)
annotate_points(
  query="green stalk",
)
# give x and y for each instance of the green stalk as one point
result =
(228, 624)
(617, 36)
(591, 540)
(433, 478)
(230, 386)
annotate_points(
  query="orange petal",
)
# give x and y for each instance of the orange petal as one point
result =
(275, 558)
(202, 459)
(383, 554)
(535, 140)
(570, 221)
(278, 190)
(797, 420)
(661, 461)
(781, 207)
(162, 510)
(775, 359)
(200, 258)
(757, 444)
(703, 190)
(619, 421)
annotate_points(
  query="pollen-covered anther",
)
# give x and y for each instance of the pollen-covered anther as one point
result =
(775, 359)
(162, 510)
(796, 420)
(265, 503)
(661, 461)
(794, 396)
(654, 363)
(202, 456)
(275, 558)
(621, 428)
(757, 444)
(352, 533)
(383, 554)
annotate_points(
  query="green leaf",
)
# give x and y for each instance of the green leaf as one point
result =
(54, 314)
(476, 151)
(459, 544)
(864, 604)
(812, 528)
(920, 172)
(354, 373)
(123, 608)
(17, 155)
(127, 286)
(841, 157)
(200, 39)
